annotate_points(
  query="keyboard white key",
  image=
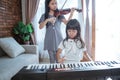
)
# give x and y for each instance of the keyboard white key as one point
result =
(66, 66)
(39, 66)
(58, 65)
(47, 66)
(28, 67)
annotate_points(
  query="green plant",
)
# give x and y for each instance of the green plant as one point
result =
(23, 31)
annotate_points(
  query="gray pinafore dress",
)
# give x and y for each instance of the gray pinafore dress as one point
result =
(53, 35)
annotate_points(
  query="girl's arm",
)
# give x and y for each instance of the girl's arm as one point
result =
(42, 24)
(86, 57)
(71, 14)
(59, 59)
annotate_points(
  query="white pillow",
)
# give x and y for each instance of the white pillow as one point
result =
(11, 46)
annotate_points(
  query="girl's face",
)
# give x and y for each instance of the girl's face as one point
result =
(53, 5)
(72, 33)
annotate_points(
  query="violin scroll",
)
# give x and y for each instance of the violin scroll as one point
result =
(78, 10)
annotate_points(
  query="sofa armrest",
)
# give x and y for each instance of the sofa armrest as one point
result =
(31, 49)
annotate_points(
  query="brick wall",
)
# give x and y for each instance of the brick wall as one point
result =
(10, 14)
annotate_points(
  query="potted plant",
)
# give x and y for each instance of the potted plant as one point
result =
(23, 32)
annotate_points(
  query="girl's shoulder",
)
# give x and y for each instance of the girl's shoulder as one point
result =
(79, 44)
(71, 40)
(42, 16)
(68, 42)
(65, 42)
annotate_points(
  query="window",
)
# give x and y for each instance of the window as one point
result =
(70, 4)
(107, 29)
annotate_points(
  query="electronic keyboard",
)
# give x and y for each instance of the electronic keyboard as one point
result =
(69, 71)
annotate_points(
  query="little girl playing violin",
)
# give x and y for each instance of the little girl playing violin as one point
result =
(53, 34)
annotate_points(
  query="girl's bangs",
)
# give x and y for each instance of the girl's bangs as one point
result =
(72, 27)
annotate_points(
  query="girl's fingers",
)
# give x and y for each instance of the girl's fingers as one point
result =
(72, 10)
(52, 20)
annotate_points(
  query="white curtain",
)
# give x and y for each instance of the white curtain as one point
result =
(88, 25)
(107, 29)
(40, 33)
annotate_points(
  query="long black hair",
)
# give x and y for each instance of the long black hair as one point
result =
(47, 9)
(74, 24)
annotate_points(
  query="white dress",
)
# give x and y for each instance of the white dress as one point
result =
(72, 50)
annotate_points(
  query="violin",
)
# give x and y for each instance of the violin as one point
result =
(64, 11)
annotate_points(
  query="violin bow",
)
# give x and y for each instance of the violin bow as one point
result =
(63, 5)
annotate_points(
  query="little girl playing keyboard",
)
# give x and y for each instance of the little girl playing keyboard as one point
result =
(73, 45)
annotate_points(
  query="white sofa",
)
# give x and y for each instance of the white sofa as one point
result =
(9, 66)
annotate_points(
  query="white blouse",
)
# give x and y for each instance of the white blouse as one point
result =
(73, 50)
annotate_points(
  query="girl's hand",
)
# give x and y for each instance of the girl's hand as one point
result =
(52, 20)
(70, 16)
(61, 60)
(72, 10)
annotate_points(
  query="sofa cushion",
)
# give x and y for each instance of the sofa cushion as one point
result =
(10, 66)
(11, 46)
